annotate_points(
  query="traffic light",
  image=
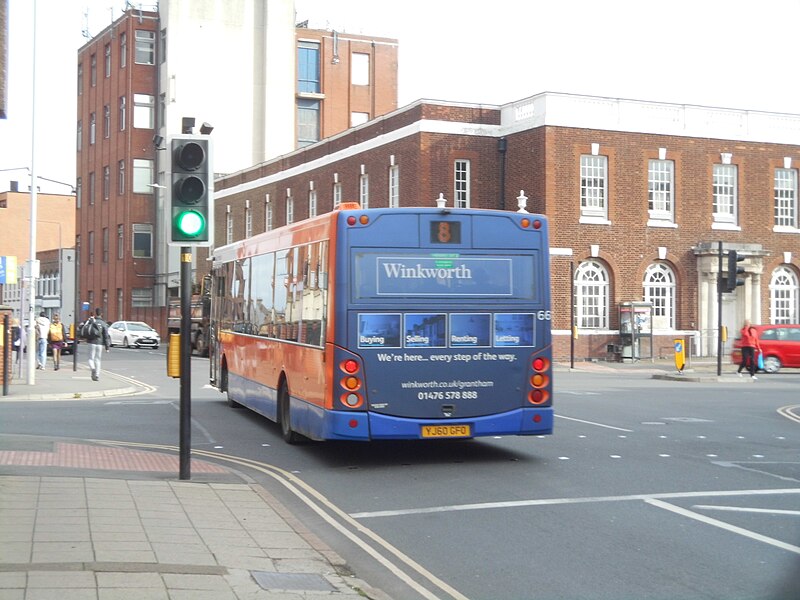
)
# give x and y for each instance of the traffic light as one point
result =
(732, 281)
(191, 190)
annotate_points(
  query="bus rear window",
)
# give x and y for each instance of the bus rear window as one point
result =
(403, 274)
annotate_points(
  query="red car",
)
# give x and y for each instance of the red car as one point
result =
(780, 345)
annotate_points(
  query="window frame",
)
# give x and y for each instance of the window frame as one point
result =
(784, 194)
(658, 288)
(725, 194)
(461, 183)
(594, 186)
(141, 236)
(592, 306)
(145, 47)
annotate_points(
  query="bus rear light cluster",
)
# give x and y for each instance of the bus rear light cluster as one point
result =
(534, 223)
(540, 381)
(362, 220)
(350, 383)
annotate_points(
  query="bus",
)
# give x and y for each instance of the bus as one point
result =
(391, 323)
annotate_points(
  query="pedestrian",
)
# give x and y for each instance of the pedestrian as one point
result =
(750, 347)
(95, 332)
(57, 338)
(17, 341)
(42, 331)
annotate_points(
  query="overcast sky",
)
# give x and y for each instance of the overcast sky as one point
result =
(727, 53)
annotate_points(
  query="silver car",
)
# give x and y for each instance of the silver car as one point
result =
(133, 334)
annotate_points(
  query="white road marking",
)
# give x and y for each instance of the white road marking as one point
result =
(556, 501)
(722, 525)
(593, 423)
(769, 511)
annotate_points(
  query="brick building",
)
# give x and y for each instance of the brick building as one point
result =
(275, 87)
(639, 196)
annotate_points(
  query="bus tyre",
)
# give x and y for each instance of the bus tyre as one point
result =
(224, 387)
(284, 408)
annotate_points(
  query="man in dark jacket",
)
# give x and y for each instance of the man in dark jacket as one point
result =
(95, 332)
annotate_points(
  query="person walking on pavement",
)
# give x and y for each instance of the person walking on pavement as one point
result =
(42, 331)
(95, 332)
(57, 337)
(750, 348)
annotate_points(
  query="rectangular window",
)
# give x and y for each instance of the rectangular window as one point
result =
(786, 198)
(80, 79)
(267, 215)
(145, 47)
(142, 176)
(394, 186)
(123, 112)
(312, 203)
(308, 68)
(358, 118)
(121, 177)
(93, 70)
(106, 121)
(725, 193)
(289, 210)
(337, 194)
(142, 240)
(105, 244)
(92, 128)
(660, 185)
(359, 69)
(461, 192)
(363, 190)
(141, 297)
(123, 50)
(228, 227)
(163, 46)
(91, 188)
(307, 122)
(91, 247)
(143, 111)
(120, 241)
(106, 182)
(78, 192)
(594, 186)
(80, 136)
(108, 60)
(120, 304)
(248, 222)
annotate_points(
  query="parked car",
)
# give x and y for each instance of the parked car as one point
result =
(133, 333)
(780, 345)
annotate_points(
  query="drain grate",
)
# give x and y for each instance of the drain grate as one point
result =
(292, 581)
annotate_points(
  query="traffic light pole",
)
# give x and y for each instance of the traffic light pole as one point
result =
(719, 312)
(186, 364)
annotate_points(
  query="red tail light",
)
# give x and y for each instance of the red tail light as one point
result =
(540, 380)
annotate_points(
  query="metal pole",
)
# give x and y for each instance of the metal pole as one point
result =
(75, 318)
(186, 363)
(571, 315)
(719, 310)
(31, 380)
(8, 348)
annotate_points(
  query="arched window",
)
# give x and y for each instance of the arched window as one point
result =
(591, 295)
(659, 290)
(784, 300)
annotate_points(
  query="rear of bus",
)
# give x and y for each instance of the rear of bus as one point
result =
(441, 325)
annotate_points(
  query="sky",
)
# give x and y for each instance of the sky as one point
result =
(725, 53)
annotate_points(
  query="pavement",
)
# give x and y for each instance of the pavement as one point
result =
(81, 519)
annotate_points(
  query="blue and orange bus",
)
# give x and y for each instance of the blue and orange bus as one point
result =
(409, 323)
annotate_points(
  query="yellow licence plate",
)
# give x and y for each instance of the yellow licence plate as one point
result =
(446, 431)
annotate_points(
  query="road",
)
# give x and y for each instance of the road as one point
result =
(647, 489)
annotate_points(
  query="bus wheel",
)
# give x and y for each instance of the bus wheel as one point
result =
(231, 402)
(289, 436)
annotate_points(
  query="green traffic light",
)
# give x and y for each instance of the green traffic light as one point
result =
(190, 223)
